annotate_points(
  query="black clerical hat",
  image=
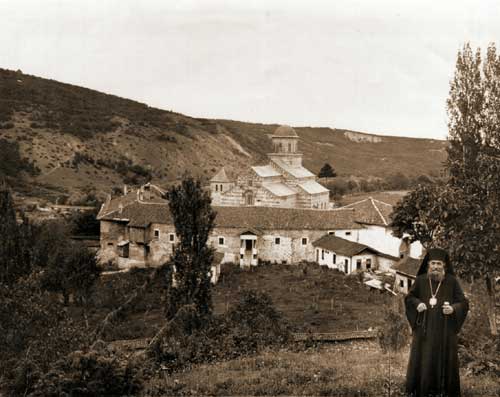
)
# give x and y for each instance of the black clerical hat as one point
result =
(436, 254)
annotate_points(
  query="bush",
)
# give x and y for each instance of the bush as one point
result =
(248, 327)
(88, 374)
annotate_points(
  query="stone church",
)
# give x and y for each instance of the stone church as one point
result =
(284, 182)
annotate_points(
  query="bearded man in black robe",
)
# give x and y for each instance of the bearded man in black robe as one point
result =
(436, 309)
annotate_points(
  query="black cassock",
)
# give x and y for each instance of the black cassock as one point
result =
(433, 368)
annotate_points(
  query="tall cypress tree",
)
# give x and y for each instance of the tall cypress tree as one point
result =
(192, 258)
(14, 247)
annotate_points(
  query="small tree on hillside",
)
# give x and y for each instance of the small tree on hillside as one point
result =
(327, 171)
(14, 240)
(192, 259)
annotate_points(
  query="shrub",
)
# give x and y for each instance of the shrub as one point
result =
(248, 327)
(88, 374)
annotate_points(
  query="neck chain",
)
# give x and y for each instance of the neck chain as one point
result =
(433, 300)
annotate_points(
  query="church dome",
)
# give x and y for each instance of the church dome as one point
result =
(285, 131)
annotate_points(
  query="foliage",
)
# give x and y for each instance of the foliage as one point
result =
(395, 333)
(14, 241)
(327, 171)
(71, 269)
(12, 164)
(35, 331)
(251, 325)
(463, 215)
(193, 219)
(85, 223)
(93, 373)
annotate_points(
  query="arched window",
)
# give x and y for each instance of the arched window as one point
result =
(216, 188)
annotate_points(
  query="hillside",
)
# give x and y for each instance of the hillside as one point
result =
(70, 138)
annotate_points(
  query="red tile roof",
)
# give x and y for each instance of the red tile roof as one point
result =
(263, 218)
(342, 246)
(408, 266)
(371, 211)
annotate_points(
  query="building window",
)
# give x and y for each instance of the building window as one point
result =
(368, 263)
(249, 199)
(402, 283)
(358, 264)
(410, 282)
(221, 241)
(347, 233)
(254, 256)
(216, 188)
(322, 254)
(334, 258)
(277, 241)
(289, 147)
(157, 233)
(346, 264)
(123, 251)
(221, 188)
(304, 240)
(241, 256)
(331, 232)
(171, 237)
(110, 244)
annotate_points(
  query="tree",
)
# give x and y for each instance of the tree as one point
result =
(327, 171)
(463, 215)
(193, 219)
(71, 269)
(14, 240)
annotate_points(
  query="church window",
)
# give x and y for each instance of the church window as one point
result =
(277, 241)
(249, 199)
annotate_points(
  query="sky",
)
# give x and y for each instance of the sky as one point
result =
(380, 66)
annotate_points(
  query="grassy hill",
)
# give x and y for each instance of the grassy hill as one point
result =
(74, 139)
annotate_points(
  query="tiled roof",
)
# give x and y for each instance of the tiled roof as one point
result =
(279, 189)
(313, 187)
(221, 176)
(297, 172)
(262, 218)
(408, 266)
(132, 196)
(265, 171)
(342, 246)
(372, 212)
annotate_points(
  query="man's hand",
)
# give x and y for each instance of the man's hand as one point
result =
(421, 307)
(447, 308)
